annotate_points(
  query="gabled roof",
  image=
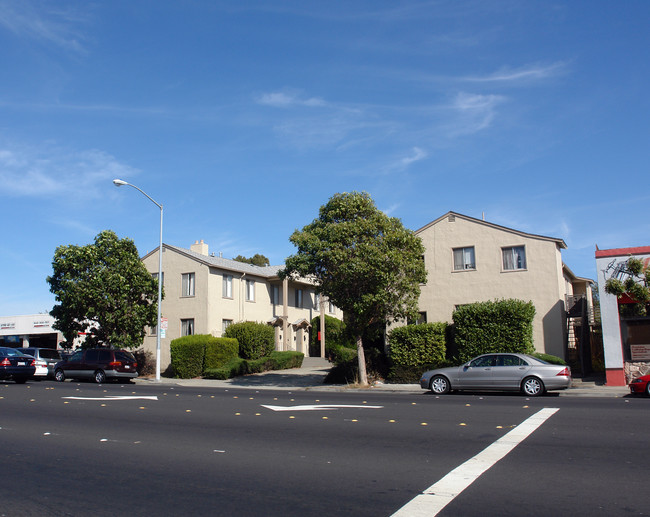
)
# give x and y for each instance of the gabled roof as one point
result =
(559, 242)
(223, 263)
(573, 277)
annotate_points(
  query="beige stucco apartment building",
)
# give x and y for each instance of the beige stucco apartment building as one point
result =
(470, 260)
(205, 293)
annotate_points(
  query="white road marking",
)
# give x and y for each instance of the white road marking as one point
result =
(317, 407)
(440, 494)
(117, 397)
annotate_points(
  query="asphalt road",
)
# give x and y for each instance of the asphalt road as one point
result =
(76, 449)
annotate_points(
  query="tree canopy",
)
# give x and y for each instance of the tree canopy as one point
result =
(256, 260)
(103, 290)
(364, 261)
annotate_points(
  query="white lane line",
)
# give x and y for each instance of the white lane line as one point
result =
(317, 407)
(440, 494)
(116, 397)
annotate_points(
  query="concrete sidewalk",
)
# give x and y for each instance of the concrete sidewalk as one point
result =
(311, 375)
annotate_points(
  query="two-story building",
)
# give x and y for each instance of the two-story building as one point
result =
(204, 293)
(471, 260)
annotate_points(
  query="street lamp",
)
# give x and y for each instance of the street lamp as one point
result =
(119, 183)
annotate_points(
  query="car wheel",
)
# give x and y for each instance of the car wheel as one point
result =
(59, 376)
(20, 380)
(100, 376)
(647, 389)
(440, 385)
(532, 387)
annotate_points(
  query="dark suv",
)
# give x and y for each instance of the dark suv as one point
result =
(98, 364)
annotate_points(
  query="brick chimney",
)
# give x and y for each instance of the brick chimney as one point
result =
(200, 247)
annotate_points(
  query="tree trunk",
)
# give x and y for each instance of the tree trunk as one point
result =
(363, 376)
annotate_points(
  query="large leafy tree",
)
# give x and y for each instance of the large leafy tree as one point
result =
(103, 290)
(256, 260)
(365, 262)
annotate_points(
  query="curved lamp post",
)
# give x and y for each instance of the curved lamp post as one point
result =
(119, 183)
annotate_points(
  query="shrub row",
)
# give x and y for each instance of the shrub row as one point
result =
(239, 366)
(256, 340)
(191, 355)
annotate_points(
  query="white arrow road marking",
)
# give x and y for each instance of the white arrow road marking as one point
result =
(440, 494)
(317, 407)
(117, 397)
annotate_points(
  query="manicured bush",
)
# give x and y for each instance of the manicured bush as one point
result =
(336, 334)
(497, 326)
(416, 345)
(255, 340)
(239, 366)
(187, 354)
(219, 351)
(549, 358)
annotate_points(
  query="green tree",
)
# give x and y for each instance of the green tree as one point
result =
(634, 282)
(103, 290)
(365, 262)
(256, 260)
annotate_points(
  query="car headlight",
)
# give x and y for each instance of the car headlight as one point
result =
(637, 381)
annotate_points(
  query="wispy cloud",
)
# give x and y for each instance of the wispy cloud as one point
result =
(49, 170)
(288, 99)
(49, 23)
(522, 74)
(474, 112)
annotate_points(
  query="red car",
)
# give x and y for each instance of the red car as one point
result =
(640, 385)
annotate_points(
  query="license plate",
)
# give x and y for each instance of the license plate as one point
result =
(126, 366)
(21, 363)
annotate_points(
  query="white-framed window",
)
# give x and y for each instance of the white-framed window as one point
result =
(227, 286)
(250, 290)
(187, 284)
(299, 298)
(514, 257)
(187, 327)
(464, 258)
(275, 294)
(225, 324)
(332, 309)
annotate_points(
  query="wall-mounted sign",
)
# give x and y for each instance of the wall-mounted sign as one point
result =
(42, 323)
(640, 352)
(6, 326)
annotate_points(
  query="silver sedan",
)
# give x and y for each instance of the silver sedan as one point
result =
(513, 372)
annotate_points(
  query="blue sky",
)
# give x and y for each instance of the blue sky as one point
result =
(243, 117)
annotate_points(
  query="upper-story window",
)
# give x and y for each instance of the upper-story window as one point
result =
(275, 294)
(155, 277)
(250, 290)
(227, 286)
(187, 284)
(299, 298)
(464, 258)
(514, 258)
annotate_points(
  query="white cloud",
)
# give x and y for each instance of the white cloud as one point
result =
(47, 171)
(288, 100)
(527, 73)
(52, 24)
(474, 112)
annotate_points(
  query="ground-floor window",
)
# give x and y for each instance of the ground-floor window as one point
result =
(187, 327)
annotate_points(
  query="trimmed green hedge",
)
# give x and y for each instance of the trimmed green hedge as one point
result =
(255, 340)
(219, 351)
(187, 355)
(498, 326)
(191, 355)
(336, 335)
(239, 366)
(416, 345)
(553, 359)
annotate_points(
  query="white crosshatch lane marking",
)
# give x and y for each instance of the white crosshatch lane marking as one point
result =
(317, 407)
(440, 494)
(117, 397)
